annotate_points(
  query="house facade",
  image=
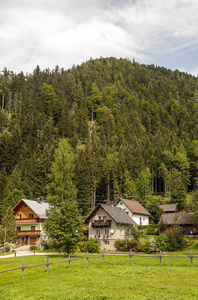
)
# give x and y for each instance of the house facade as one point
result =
(134, 210)
(30, 216)
(182, 219)
(107, 224)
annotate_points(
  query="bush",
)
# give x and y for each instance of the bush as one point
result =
(33, 247)
(152, 229)
(163, 242)
(126, 245)
(8, 247)
(176, 238)
(90, 245)
(152, 245)
(43, 243)
(144, 247)
(120, 245)
(171, 240)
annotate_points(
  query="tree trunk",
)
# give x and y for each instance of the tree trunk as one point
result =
(108, 191)
(2, 107)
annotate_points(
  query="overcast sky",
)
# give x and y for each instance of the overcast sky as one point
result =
(68, 32)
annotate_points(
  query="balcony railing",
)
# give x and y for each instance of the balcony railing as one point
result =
(101, 223)
(29, 232)
(27, 220)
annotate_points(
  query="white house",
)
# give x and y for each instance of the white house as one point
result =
(108, 223)
(134, 210)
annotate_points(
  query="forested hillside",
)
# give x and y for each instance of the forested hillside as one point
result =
(112, 127)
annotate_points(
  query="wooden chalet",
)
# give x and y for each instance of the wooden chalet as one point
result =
(30, 216)
(182, 219)
(169, 208)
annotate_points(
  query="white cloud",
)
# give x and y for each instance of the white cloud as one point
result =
(48, 32)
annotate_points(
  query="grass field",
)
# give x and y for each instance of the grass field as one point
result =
(115, 279)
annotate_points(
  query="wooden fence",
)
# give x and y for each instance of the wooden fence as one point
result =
(87, 258)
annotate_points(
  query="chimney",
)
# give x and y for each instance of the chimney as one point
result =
(38, 200)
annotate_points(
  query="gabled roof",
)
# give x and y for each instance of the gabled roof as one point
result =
(39, 208)
(169, 207)
(181, 218)
(116, 213)
(135, 207)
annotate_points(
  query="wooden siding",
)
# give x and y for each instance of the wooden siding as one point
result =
(29, 232)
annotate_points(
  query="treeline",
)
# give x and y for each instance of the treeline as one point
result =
(130, 129)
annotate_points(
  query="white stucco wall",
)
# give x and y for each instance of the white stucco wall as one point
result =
(139, 219)
(106, 242)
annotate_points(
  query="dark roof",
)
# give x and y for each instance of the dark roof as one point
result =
(181, 218)
(135, 207)
(117, 214)
(39, 208)
(169, 207)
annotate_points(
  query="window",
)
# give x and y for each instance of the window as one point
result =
(33, 227)
(19, 216)
(143, 219)
(31, 216)
(140, 221)
(99, 218)
(97, 231)
(121, 232)
(106, 231)
(18, 228)
(106, 242)
(104, 217)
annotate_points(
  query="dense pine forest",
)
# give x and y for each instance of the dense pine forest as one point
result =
(104, 129)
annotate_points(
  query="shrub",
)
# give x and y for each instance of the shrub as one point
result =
(156, 231)
(144, 247)
(8, 247)
(163, 242)
(152, 229)
(43, 243)
(120, 245)
(90, 245)
(152, 245)
(126, 245)
(33, 247)
(176, 238)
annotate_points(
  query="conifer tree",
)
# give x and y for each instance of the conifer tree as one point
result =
(8, 227)
(61, 186)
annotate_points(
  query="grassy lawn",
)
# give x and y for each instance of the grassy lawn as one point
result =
(113, 279)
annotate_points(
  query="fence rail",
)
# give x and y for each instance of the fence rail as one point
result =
(87, 257)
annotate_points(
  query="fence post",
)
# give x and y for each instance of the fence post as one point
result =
(69, 260)
(103, 255)
(34, 252)
(87, 258)
(191, 258)
(130, 257)
(15, 254)
(160, 256)
(22, 268)
(47, 264)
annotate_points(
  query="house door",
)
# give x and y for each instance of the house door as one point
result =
(33, 240)
(22, 241)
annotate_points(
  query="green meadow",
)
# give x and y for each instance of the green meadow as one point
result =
(115, 278)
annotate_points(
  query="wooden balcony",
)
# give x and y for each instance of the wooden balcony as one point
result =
(27, 220)
(29, 232)
(101, 223)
